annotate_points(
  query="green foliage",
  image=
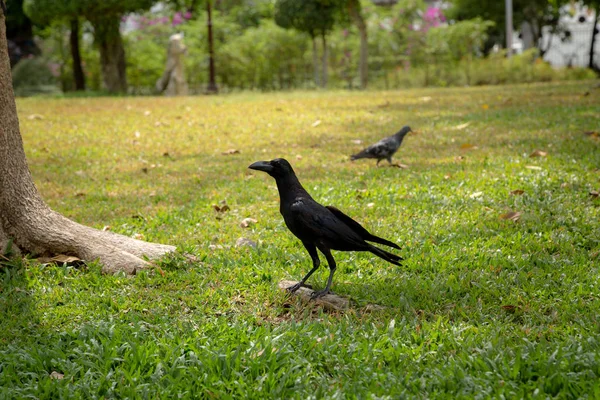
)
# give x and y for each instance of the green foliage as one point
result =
(482, 307)
(315, 17)
(33, 76)
(265, 57)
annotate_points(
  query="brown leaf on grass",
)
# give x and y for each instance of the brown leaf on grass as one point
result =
(447, 176)
(511, 216)
(516, 192)
(461, 126)
(509, 308)
(468, 146)
(56, 375)
(538, 153)
(230, 152)
(106, 228)
(533, 167)
(316, 123)
(592, 134)
(34, 116)
(61, 259)
(357, 141)
(594, 193)
(246, 222)
(398, 165)
(459, 158)
(221, 209)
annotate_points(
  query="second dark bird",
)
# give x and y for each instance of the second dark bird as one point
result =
(319, 227)
(385, 148)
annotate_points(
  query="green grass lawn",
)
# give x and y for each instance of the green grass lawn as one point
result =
(482, 307)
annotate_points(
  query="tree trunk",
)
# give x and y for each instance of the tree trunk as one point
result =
(29, 223)
(592, 65)
(112, 54)
(315, 61)
(363, 66)
(324, 74)
(78, 75)
(212, 84)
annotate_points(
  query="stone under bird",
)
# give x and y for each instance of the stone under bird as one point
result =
(317, 226)
(385, 148)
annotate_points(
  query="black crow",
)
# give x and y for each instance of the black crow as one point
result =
(385, 148)
(319, 227)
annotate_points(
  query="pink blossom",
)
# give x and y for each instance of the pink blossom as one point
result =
(187, 15)
(177, 19)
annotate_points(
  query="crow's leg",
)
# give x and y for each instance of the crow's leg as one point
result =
(312, 250)
(332, 268)
(377, 165)
(389, 160)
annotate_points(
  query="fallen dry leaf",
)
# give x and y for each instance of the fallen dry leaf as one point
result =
(230, 152)
(425, 99)
(56, 375)
(594, 193)
(106, 228)
(517, 192)
(316, 123)
(461, 126)
(34, 116)
(398, 165)
(509, 308)
(538, 153)
(512, 216)
(476, 195)
(298, 157)
(357, 141)
(61, 259)
(459, 158)
(246, 222)
(592, 133)
(221, 208)
(467, 146)
(447, 176)
(485, 106)
(533, 167)
(370, 205)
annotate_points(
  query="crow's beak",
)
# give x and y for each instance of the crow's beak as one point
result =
(262, 166)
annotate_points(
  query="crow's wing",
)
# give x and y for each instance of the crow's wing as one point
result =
(313, 223)
(358, 228)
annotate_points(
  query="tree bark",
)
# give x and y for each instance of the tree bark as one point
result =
(324, 74)
(78, 75)
(29, 223)
(315, 57)
(363, 65)
(112, 54)
(212, 84)
(592, 65)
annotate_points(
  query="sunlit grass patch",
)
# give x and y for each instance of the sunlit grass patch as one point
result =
(484, 305)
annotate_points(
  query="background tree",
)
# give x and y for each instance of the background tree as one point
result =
(595, 5)
(27, 224)
(315, 17)
(537, 13)
(19, 32)
(105, 17)
(355, 12)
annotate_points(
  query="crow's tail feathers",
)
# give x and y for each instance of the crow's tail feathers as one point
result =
(377, 239)
(387, 256)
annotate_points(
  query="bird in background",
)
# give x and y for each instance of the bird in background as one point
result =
(319, 227)
(385, 148)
